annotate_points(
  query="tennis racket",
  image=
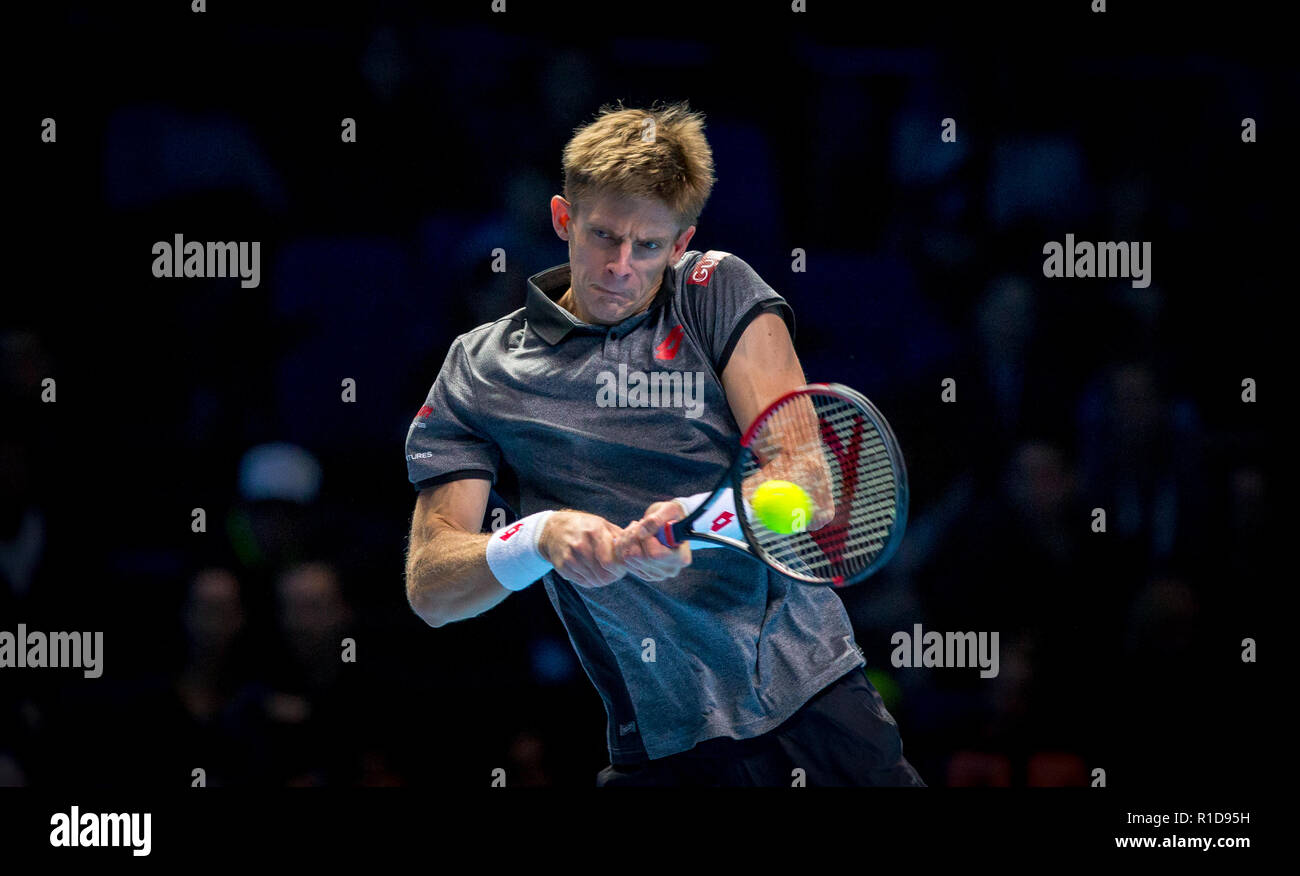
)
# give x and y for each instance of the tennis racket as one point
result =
(837, 447)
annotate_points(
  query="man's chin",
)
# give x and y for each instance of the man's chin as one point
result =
(609, 313)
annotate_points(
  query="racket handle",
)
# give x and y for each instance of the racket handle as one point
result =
(665, 536)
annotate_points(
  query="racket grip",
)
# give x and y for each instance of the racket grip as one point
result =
(665, 535)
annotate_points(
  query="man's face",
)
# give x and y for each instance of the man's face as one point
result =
(618, 249)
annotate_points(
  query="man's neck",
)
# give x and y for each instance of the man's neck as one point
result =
(570, 303)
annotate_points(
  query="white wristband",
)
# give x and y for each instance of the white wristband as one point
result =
(513, 555)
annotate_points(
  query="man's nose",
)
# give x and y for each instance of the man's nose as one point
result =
(622, 263)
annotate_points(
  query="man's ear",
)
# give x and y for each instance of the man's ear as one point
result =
(561, 213)
(683, 242)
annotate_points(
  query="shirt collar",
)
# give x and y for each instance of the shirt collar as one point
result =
(554, 323)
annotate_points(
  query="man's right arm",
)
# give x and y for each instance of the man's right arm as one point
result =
(447, 574)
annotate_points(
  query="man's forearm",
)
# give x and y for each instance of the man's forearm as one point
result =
(448, 579)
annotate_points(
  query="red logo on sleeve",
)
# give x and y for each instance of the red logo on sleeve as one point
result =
(421, 416)
(721, 521)
(704, 268)
(506, 533)
(668, 349)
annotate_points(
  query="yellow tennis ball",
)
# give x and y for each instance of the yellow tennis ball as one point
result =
(783, 506)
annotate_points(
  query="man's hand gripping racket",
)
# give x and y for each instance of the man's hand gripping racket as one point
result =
(835, 446)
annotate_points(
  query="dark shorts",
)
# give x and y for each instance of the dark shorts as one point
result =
(843, 736)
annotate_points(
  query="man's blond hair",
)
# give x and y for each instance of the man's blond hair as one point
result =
(659, 153)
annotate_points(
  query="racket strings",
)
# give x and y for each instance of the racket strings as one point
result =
(836, 454)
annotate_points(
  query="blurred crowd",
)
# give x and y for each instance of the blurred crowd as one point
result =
(226, 645)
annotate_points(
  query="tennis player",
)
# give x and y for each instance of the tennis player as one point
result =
(618, 393)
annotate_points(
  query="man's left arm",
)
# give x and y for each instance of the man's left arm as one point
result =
(762, 368)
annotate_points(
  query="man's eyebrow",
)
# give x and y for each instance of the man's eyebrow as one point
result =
(659, 238)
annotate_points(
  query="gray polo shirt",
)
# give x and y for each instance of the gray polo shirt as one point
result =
(609, 419)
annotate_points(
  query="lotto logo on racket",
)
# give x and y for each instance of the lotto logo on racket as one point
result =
(704, 268)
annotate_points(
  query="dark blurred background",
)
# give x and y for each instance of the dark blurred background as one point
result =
(1119, 651)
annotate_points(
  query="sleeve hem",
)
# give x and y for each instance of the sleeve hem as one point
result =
(459, 475)
(769, 306)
